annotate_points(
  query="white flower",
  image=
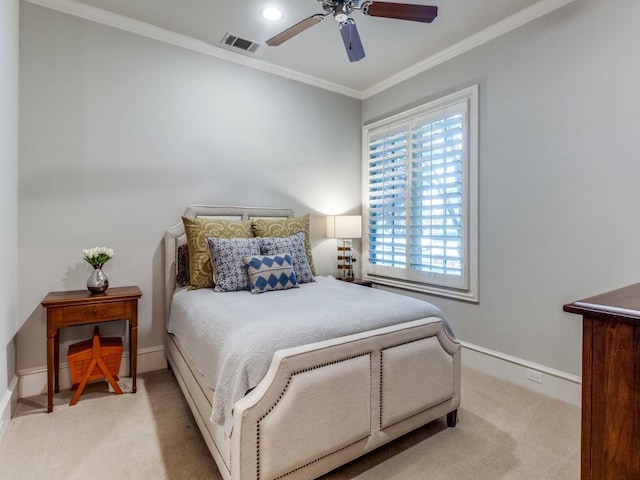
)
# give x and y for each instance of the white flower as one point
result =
(97, 255)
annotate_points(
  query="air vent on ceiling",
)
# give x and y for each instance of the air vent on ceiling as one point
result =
(241, 43)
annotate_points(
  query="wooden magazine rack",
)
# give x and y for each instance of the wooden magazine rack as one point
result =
(94, 359)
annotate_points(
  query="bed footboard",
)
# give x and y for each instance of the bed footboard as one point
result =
(325, 404)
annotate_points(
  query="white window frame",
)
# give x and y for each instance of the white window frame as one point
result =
(465, 287)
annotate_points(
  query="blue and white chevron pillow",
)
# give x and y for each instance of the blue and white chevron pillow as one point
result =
(270, 272)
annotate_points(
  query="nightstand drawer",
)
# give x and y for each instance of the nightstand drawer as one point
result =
(95, 312)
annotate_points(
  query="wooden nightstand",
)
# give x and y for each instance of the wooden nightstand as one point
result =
(80, 307)
(357, 281)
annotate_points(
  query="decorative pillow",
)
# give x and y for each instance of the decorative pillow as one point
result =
(229, 271)
(197, 230)
(270, 272)
(183, 278)
(284, 227)
(294, 245)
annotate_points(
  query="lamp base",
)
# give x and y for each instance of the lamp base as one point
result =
(345, 259)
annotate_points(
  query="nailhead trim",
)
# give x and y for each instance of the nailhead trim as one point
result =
(381, 380)
(380, 394)
(323, 457)
(286, 387)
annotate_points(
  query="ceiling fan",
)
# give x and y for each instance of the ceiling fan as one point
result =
(341, 11)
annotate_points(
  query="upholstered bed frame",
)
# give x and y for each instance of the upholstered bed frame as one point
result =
(324, 404)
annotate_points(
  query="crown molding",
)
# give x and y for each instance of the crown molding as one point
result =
(506, 25)
(121, 22)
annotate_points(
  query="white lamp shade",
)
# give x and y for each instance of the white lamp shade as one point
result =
(344, 226)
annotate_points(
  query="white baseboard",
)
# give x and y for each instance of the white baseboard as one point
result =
(555, 383)
(8, 403)
(34, 381)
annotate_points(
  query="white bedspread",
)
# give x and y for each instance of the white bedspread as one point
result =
(231, 337)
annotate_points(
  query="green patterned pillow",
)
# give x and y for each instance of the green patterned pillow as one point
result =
(197, 230)
(285, 227)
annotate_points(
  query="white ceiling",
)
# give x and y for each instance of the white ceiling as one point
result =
(391, 46)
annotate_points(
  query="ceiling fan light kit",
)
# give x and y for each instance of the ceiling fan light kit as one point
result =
(341, 11)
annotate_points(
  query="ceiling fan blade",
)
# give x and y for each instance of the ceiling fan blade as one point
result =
(401, 11)
(295, 30)
(351, 39)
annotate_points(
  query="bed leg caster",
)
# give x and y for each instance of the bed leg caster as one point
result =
(452, 418)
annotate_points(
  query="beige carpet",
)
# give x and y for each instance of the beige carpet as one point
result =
(503, 432)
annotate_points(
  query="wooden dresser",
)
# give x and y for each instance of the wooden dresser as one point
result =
(610, 445)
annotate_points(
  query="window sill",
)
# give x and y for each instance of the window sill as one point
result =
(466, 296)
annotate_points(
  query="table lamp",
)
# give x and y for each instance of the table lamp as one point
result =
(345, 228)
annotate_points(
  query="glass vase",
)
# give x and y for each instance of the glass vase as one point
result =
(98, 281)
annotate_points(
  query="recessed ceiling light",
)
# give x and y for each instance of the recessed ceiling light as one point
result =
(271, 13)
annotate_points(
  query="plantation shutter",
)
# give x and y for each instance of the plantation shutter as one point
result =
(416, 198)
(388, 198)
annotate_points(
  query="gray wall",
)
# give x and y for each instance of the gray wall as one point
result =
(559, 152)
(9, 10)
(119, 133)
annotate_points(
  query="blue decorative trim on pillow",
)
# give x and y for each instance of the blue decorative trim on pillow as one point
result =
(270, 272)
(229, 271)
(293, 245)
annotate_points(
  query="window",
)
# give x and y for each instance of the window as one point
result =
(421, 197)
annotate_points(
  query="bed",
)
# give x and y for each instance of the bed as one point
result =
(311, 406)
